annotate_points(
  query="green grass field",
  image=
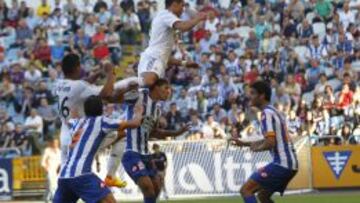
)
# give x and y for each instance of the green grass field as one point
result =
(312, 198)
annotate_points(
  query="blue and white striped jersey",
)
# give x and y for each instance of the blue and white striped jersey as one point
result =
(137, 138)
(274, 125)
(87, 135)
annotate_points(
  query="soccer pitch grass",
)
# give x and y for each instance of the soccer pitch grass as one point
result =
(311, 198)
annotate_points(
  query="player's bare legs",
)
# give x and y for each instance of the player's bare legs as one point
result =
(147, 188)
(157, 185)
(248, 191)
(113, 164)
(264, 196)
(108, 199)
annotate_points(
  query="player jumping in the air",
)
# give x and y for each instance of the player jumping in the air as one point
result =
(275, 176)
(137, 159)
(156, 57)
(72, 92)
(77, 181)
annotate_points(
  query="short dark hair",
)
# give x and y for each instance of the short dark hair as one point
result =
(262, 87)
(168, 3)
(69, 63)
(348, 60)
(156, 146)
(93, 106)
(160, 82)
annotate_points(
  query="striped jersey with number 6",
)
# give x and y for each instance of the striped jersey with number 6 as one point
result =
(71, 97)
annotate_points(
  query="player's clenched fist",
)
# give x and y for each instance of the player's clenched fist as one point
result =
(109, 68)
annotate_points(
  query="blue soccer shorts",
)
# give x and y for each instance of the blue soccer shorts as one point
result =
(88, 187)
(273, 177)
(137, 165)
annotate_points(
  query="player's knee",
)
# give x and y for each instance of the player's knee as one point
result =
(264, 197)
(244, 191)
(108, 199)
(147, 188)
(157, 186)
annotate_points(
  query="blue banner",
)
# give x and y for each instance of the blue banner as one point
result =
(5, 179)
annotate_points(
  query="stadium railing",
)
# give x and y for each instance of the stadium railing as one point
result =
(29, 178)
(10, 152)
(208, 168)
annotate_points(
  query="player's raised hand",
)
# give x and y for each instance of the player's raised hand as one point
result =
(108, 67)
(185, 128)
(237, 142)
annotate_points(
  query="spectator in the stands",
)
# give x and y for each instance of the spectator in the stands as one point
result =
(19, 139)
(34, 123)
(7, 91)
(345, 97)
(320, 87)
(173, 117)
(43, 8)
(48, 114)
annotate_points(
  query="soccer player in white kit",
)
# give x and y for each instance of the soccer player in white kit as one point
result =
(156, 57)
(72, 92)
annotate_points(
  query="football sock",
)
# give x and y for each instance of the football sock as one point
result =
(149, 200)
(250, 199)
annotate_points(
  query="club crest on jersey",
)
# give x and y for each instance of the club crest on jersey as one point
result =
(76, 137)
(139, 166)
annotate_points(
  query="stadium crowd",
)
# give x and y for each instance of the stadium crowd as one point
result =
(309, 50)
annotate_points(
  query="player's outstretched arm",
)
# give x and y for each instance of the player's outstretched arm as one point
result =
(187, 64)
(263, 145)
(107, 90)
(96, 74)
(136, 121)
(185, 26)
(162, 134)
(119, 94)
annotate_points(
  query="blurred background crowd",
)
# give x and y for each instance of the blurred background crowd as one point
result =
(309, 50)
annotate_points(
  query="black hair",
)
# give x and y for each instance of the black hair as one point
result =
(348, 60)
(346, 74)
(69, 63)
(262, 87)
(93, 106)
(168, 3)
(159, 83)
(156, 146)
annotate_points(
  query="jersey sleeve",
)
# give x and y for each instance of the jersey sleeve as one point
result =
(88, 89)
(170, 19)
(267, 124)
(108, 124)
(165, 158)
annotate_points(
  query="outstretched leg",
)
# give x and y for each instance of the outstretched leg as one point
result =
(248, 191)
